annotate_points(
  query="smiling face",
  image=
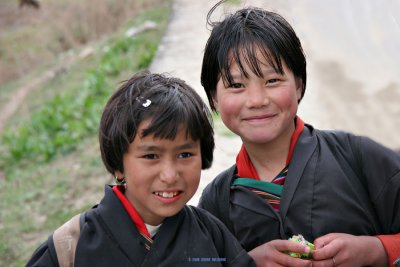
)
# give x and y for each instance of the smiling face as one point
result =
(162, 175)
(261, 110)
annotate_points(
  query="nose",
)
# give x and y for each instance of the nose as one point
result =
(256, 96)
(169, 173)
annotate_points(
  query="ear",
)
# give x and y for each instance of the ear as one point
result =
(215, 102)
(118, 174)
(299, 88)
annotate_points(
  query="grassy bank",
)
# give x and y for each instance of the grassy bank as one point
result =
(49, 153)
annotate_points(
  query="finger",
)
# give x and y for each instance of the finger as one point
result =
(279, 253)
(324, 240)
(286, 260)
(326, 252)
(324, 263)
(286, 245)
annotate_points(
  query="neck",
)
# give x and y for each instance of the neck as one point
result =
(270, 158)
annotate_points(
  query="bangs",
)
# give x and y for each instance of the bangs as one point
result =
(244, 51)
(168, 118)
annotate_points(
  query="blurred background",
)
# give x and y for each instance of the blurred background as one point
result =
(60, 61)
(352, 48)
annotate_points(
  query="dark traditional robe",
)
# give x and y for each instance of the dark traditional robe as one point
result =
(109, 237)
(336, 182)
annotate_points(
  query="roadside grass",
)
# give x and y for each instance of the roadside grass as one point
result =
(45, 196)
(49, 152)
(30, 37)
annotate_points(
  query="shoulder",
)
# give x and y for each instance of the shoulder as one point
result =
(215, 197)
(335, 136)
(200, 214)
(357, 143)
(208, 223)
(341, 142)
(205, 219)
(223, 240)
(221, 181)
(203, 222)
(370, 157)
(44, 255)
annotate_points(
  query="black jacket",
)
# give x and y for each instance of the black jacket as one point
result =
(336, 182)
(109, 238)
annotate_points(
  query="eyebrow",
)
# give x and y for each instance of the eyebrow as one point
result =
(265, 72)
(156, 148)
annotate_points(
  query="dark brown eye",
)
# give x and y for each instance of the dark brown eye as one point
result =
(236, 85)
(150, 156)
(185, 155)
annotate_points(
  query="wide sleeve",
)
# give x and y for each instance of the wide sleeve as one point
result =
(381, 167)
(391, 243)
(43, 256)
(381, 172)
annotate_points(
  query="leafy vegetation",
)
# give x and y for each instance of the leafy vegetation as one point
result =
(59, 125)
(49, 152)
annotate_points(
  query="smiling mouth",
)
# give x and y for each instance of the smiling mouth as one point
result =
(167, 194)
(262, 117)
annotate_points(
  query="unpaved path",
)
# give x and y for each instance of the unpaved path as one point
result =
(353, 74)
(20, 94)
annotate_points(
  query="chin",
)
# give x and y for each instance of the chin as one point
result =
(259, 139)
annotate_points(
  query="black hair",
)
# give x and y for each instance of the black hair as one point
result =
(168, 101)
(237, 38)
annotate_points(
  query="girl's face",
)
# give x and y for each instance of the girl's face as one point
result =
(162, 175)
(259, 110)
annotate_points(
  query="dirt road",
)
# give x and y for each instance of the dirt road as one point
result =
(353, 74)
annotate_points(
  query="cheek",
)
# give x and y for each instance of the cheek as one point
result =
(228, 105)
(193, 175)
(196, 170)
(195, 179)
(287, 99)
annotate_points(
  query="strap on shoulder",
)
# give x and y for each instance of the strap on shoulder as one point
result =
(65, 240)
(52, 251)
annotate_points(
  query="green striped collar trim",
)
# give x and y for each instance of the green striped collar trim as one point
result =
(275, 189)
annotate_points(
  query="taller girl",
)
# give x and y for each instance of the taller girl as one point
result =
(338, 190)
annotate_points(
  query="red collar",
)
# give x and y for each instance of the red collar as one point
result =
(118, 191)
(243, 162)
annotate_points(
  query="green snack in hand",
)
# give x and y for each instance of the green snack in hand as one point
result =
(300, 239)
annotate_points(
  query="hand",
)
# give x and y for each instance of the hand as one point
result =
(273, 254)
(338, 249)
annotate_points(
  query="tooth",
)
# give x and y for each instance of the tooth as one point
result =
(166, 194)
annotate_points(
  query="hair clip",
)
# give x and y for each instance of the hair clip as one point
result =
(144, 104)
(147, 103)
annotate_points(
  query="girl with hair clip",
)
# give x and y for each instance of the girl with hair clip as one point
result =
(155, 138)
(338, 190)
